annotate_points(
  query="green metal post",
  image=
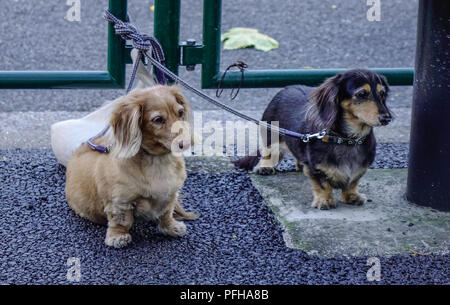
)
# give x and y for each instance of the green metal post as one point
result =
(116, 46)
(212, 14)
(167, 31)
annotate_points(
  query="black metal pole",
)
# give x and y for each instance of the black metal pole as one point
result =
(429, 153)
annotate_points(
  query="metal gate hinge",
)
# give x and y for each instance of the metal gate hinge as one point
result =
(191, 54)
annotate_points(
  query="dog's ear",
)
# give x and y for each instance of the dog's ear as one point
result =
(181, 99)
(126, 123)
(324, 106)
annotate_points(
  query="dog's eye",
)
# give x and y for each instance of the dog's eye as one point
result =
(158, 120)
(362, 94)
(180, 113)
(382, 94)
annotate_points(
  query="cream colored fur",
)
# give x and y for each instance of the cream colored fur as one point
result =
(141, 177)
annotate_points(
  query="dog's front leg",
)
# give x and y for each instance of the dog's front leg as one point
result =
(120, 220)
(323, 192)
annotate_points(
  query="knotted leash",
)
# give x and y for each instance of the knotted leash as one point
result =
(142, 43)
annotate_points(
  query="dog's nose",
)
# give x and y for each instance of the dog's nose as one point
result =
(181, 144)
(385, 119)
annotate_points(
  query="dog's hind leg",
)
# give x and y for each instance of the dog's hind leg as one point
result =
(167, 223)
(270, 157)
(169, 226)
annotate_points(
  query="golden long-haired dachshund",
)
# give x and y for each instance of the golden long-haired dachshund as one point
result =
(346, 106)
(142, 174)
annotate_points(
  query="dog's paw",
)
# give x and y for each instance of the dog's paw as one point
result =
(323, 203)
(265, 171)
(175, 229)
(117, 240)
(354, 199)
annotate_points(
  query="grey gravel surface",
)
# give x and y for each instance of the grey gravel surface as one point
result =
(311, 33)
(236, 240)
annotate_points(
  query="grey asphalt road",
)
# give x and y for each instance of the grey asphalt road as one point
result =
(318, 34)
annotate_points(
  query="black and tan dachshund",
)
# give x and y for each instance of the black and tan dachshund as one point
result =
(347, 106)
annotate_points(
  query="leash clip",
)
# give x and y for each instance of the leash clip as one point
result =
(318, 135)
(322, 134)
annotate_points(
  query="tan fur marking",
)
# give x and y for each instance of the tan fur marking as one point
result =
(366, 112)
(360, 118)
(333, 173)
(366, 87)
(342, 175)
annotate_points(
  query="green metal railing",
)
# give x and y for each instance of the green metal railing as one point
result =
(189, 54)
(114, 77)
(167, 25)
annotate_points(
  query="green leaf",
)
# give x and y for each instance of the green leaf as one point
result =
(239, 38)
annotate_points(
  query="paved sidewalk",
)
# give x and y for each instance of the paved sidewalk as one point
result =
(386, 225)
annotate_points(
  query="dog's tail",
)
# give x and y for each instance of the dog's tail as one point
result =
(248, 162)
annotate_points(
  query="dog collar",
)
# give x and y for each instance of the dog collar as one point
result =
(100, 148)
(335, 138)
(341, 140)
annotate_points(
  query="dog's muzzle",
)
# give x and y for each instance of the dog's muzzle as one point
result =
(385, 119)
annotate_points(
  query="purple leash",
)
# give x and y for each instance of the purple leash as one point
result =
(141, 42)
